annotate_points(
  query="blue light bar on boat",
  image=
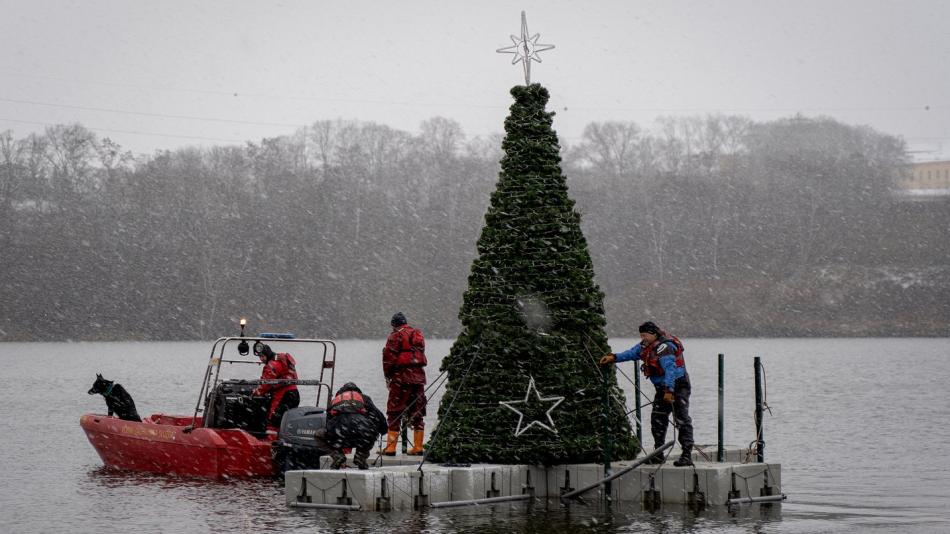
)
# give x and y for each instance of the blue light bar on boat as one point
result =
(276, 335)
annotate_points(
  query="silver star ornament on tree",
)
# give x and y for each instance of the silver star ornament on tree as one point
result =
(527, 399)
(525, 49)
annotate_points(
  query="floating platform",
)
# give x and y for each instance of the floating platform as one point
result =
(399, 485)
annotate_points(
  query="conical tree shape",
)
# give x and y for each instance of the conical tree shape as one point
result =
(532, 310)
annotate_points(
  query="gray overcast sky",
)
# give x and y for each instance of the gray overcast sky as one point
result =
(156, 75)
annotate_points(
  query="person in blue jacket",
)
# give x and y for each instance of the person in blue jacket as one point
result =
(663, 364)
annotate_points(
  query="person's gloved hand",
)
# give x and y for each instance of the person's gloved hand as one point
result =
(668, 396)
(608, 359)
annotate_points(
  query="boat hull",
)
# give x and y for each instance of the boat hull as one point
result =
(159, 444)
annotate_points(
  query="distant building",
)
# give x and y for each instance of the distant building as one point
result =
(925, 180)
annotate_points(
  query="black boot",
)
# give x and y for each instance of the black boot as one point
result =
(337, 460)
(685, 459)
(359, 459)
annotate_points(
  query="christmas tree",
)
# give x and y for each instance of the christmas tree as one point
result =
(523, 383)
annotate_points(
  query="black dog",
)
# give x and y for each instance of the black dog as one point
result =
(118, 399)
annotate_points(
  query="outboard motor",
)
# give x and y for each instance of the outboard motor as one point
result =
(295, 447)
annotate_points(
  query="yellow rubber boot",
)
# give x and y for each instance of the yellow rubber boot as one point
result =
(416, 449)
(391, 439)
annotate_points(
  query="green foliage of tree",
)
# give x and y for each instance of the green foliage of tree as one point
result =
(532, 310)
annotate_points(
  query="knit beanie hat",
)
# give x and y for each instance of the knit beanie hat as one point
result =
(650, 327)
(398, 319)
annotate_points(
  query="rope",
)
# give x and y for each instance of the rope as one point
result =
(398, 487)
(378, 461)
(436, 380)
(702, 453)
(596, 365)
(620, 404)
(634, 384)
(651, 403)
(745, 479)
(448, 410)
(330, 487)
(323, 491)
(425, 392)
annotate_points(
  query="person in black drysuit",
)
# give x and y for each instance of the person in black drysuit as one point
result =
(352, 421)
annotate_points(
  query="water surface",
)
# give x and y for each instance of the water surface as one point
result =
(859, 426)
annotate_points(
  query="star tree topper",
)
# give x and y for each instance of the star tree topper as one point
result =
(531, 387)
(525, 49)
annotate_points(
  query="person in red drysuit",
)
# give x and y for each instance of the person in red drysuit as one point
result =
(404, 362)
(282, 396)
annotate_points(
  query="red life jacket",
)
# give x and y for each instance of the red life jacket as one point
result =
(290, 365)
(411, 348)
(347, 402)
(283, 367)
(651, 362)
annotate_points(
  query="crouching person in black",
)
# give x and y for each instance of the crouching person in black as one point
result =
(352, 421)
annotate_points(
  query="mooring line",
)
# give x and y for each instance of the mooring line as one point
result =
(448, 410)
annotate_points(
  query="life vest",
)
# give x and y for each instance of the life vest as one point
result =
(289, 364)
(347, 402)
(651, 362)
(282, 367)
(411, 348)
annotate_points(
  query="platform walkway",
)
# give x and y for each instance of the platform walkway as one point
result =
(399, 485)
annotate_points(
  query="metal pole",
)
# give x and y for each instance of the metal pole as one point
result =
(636, 395)
(487, 500)
(326, 506)
(605, 428)
(759, 435)
(618, 474)
(720, 451)
(765, 498)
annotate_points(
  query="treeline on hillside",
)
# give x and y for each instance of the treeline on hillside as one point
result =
(715, 226)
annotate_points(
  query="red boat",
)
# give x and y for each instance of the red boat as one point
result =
(226, 436)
